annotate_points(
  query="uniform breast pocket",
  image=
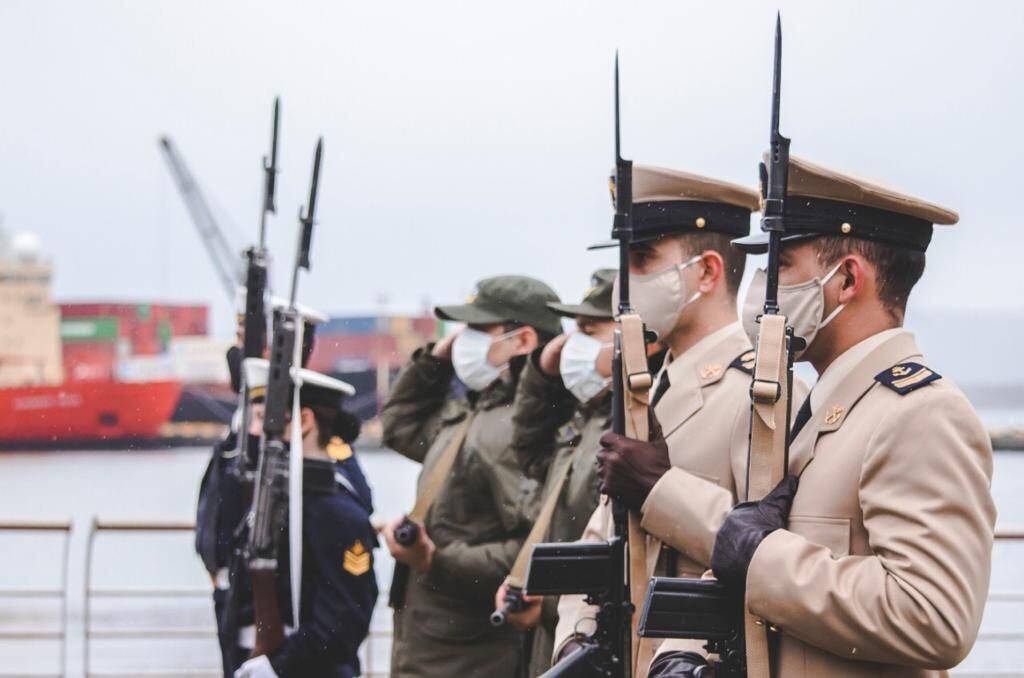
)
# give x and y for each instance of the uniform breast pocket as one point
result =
(833, 533)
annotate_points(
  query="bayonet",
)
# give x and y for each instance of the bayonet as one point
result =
(774, 180)
(270, 175)
(306, 218)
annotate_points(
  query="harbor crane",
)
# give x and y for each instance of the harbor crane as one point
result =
(227, 261)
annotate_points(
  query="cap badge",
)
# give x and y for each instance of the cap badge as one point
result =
(357, 559)
(835, 413)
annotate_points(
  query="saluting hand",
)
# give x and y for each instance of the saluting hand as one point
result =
(628, 469)
(419, 556)
(443, 348)
(551, 355)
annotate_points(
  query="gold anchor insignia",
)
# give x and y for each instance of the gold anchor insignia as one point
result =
(834, 415)
(901, 371)
(709, 371)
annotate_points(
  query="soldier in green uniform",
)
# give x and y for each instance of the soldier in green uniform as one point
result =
(566, 463)
(483, 509)
(573, 369)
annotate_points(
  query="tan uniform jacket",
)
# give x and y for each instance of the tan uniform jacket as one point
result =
(478, 523)
(703, 412)
(884, 567)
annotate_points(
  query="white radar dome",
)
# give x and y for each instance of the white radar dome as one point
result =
(25, 246)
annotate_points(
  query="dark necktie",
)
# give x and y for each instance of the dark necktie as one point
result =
(802, 417)
(662, 387)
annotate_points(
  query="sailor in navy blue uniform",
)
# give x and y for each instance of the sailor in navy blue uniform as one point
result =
(224, 494)
(339, 588)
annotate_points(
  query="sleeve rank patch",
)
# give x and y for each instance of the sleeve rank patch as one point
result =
(906, 377)
(745, 363)
(357, 559)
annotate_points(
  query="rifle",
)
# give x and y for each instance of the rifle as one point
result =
(278, 491)
(681, 608)
(255, 324)
(606, 572)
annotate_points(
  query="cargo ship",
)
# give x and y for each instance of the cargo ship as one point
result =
(89, 373)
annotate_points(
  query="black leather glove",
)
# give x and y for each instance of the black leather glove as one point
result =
(745, 528)
(680, 665)
(628, 469)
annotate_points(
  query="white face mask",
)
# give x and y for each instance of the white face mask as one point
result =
(578, 366)
(803, 305)
(660, 297)
(469, 358)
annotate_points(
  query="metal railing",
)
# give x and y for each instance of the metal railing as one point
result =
(143, 633)
(62, 527)
(90, 593)
(148, 593)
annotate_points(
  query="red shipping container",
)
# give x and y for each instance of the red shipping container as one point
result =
(89, 360)
(425, 327)
(370, 348)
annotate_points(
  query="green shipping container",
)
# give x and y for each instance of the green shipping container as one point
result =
(88, 329)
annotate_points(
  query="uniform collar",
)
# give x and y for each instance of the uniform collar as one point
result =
(835, 373)
(856, 379)
(703, 364)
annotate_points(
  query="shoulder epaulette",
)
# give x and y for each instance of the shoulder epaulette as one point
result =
(906, 377)
(745, 363)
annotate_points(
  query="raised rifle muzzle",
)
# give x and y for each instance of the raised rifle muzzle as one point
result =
(407, 533)
(513, 603)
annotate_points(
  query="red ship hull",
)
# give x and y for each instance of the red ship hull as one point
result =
(87, 410)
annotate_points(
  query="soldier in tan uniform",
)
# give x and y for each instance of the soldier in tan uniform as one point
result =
(483, 509)
(684, 278)
(882, 567)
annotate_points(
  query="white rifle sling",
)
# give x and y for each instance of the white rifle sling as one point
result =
(295, 457)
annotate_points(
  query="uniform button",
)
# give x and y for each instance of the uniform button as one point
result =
(759, 622)
(773, 628)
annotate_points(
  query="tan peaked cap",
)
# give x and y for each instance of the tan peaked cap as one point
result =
(660, 184)
(817, 181)
(667, 202)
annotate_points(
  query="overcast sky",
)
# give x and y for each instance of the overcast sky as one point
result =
(464, 139)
